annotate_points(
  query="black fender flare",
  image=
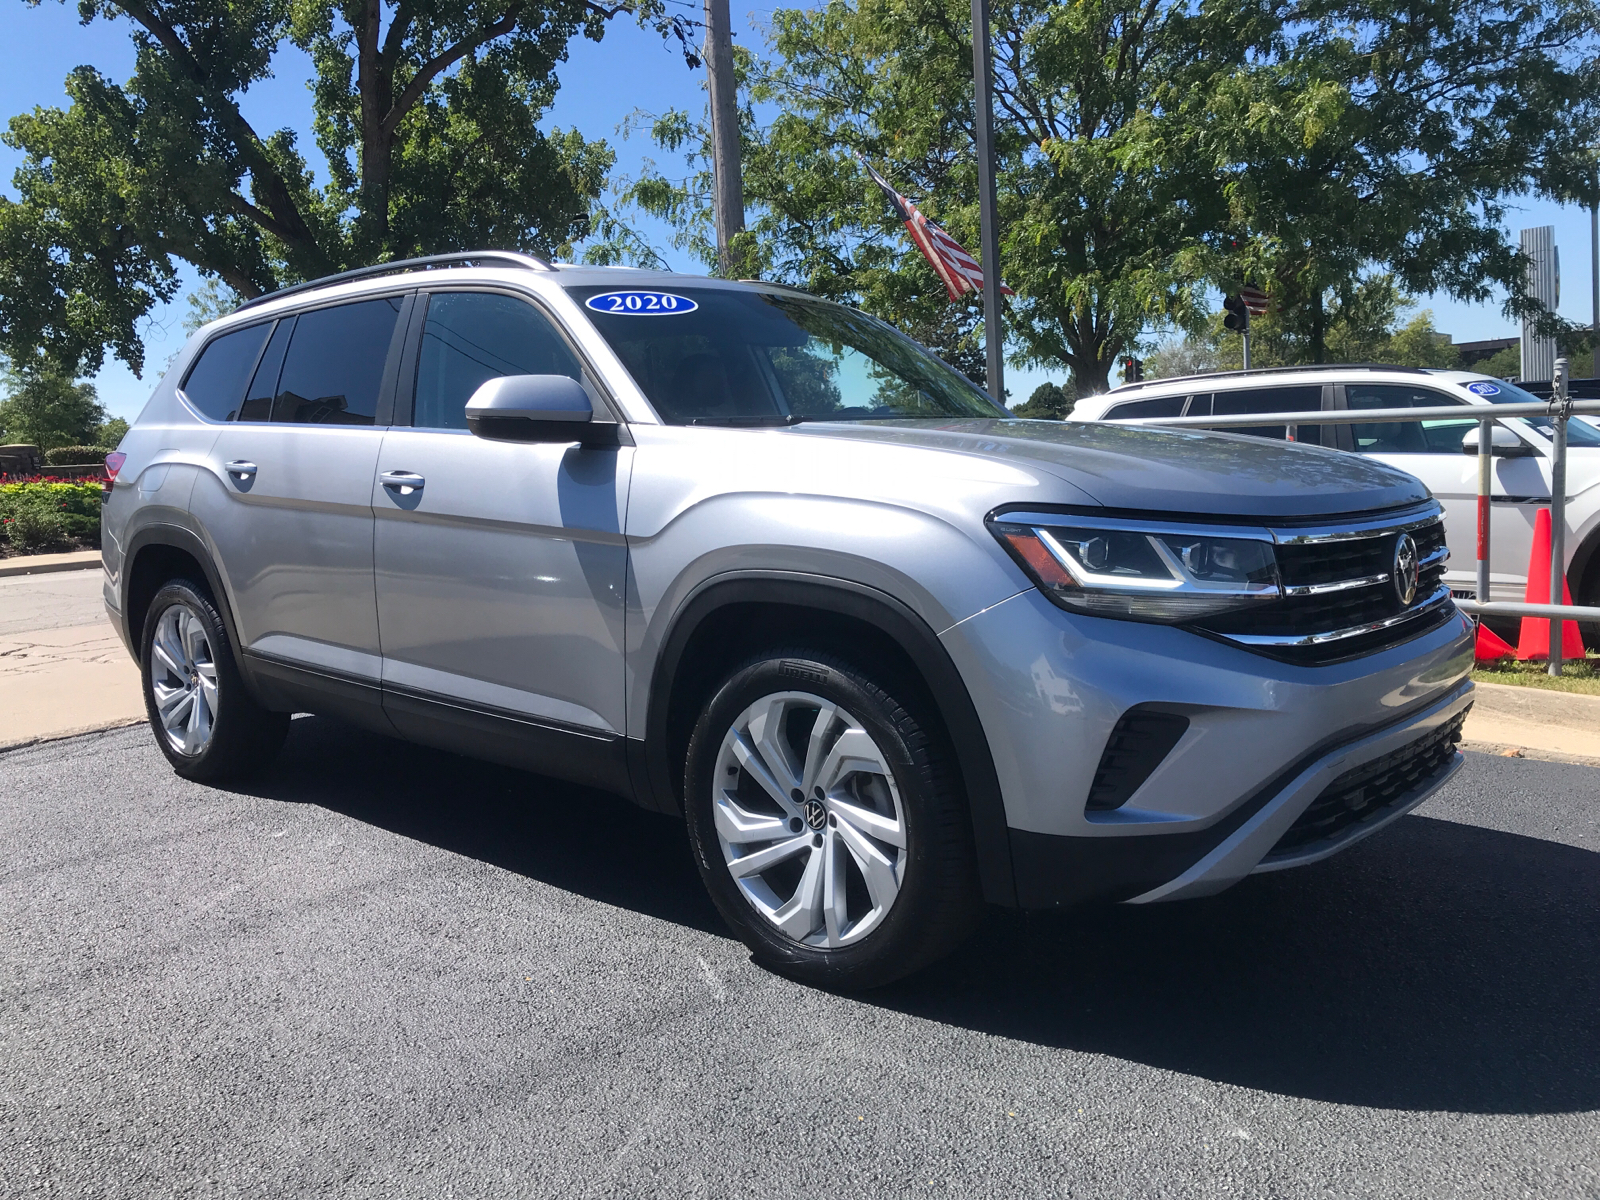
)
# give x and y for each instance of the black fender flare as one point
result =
(176, 537)
(891, 617)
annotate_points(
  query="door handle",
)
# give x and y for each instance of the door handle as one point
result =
(240, 470)
(402, 483)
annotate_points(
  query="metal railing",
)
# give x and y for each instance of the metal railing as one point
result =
(1558, 411)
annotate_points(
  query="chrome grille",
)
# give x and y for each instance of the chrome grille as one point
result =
(1340, 595)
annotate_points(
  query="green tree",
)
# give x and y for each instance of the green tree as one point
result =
(1048, 402)
(112, 433)
(47, 408)
(427, 111)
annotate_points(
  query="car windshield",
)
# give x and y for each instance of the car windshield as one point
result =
(1579, 432)
(725, 356)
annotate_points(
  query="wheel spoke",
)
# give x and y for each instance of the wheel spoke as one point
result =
(739, 826)
(835, 905)
(758, 861)
(174, 705)
(854, 751)
(171, 644)
(877, 870)
(194, 638)
(752, 762)
(159, 653)
(817, 746)
(802, 914)
(766, 735)
(874, 825)
(199, 731)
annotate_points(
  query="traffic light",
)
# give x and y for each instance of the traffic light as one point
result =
(1132, 370)
(1238, 318)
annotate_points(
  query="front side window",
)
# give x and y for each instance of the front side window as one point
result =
(333, 369)
(1441, 435)
(1579, 432)
(724, 356)
(470, 338)
(216, 381)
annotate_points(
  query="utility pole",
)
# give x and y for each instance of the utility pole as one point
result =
(988, 217)
(728, 180)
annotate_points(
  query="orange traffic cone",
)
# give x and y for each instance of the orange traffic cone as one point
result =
(1492, 647)
(1534, 639)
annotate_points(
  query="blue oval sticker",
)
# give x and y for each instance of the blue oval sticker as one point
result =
(641, 304)
(1484, 389)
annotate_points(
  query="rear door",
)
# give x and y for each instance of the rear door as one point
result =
(1430, 449)
(1292, 398)
(288, 499)
(501, 566)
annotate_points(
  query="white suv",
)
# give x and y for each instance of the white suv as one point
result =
(1431, 449)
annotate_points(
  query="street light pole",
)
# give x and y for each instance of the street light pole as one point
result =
(988, 218)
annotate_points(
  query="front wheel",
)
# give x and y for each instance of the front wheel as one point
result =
(208, 726)
(828, 823)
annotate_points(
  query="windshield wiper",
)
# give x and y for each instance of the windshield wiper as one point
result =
(757, 421)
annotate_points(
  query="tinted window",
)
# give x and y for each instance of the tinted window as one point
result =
(472, 337)
(1268, 400)
(334, 367)
(1579, 432)
(216, 381)
(735, 356)
(1442, 436)
(1165, 406)
(258, 400)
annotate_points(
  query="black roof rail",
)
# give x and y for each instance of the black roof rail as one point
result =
(457, 259)
(1132, 387)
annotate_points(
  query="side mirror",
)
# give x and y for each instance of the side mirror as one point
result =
(1502, 444)
(537, 408)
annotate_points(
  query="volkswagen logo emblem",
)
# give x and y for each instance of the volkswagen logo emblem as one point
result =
(816, 816)
(1405, 569)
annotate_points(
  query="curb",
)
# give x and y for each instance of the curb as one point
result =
(1503, 750)
(62, 734)
(1566, 710)
(46, 564)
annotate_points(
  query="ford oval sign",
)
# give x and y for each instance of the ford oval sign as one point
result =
(641, 304)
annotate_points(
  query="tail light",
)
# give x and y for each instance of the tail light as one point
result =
(114, 462)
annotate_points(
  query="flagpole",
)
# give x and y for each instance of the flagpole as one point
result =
(988, 218)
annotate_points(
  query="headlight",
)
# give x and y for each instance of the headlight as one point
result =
(1141, 570)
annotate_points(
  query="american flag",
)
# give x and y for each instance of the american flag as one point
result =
(948, 258)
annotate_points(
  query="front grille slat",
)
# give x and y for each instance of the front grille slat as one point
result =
(1366, 793)
(1364, 564)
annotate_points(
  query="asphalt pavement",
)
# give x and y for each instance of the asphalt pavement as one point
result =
(385, 971)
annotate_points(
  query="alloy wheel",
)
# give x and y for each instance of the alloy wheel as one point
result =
(809, 819)
(183, 680)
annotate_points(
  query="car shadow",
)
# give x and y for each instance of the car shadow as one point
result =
(1437, 967)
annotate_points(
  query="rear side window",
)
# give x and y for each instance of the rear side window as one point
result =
(1164, 406)
(1272, 400)
(333, 370)
(216, 382)
(473, 337)
(258, 400)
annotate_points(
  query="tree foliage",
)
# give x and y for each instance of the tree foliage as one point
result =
(45, 407)
(426, 110)
(1152, 151)
(1048, 402)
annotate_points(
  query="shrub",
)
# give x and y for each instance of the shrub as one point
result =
(35, 527)
(40, 512)
(68, 456)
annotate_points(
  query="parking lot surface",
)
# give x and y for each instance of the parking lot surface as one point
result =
(383, 971)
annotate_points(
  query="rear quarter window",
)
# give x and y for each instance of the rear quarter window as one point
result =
(215, 384)
(1133, 410)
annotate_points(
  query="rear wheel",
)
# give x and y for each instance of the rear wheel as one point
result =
(828, 824)
(205, 722)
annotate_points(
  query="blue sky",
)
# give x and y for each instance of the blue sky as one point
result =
(600, 86)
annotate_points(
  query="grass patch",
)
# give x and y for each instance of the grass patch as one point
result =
(1581, 677)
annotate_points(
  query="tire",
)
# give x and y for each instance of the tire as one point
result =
(865, 878)
(207, 724)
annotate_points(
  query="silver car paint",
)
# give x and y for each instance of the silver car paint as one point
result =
(896, 507)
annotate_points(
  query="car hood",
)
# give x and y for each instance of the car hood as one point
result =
(1160, 470)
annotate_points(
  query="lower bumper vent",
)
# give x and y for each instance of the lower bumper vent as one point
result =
(1365, 793)
(1140, 739)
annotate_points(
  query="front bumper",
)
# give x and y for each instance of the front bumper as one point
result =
(1265, 739)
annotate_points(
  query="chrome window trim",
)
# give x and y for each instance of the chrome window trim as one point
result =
(1318, 639)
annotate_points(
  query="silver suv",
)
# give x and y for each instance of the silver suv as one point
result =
(756, 559)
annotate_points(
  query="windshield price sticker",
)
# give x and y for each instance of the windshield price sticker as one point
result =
(1484, 389)
(641, 304)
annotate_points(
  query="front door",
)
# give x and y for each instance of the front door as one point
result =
(500, 566)
(1430, 449)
